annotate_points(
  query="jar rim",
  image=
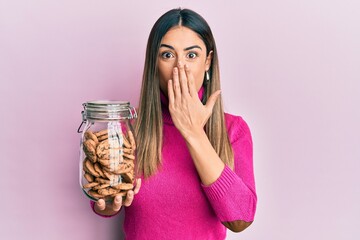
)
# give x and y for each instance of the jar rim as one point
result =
(103, 103)
(108, 110)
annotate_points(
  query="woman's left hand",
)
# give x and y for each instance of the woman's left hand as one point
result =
(187, 111)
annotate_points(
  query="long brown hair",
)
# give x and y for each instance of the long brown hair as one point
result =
(149, 125)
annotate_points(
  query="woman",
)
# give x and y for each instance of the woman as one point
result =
(194, 161)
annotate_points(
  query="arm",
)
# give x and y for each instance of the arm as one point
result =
(218, 181)
(232, 195)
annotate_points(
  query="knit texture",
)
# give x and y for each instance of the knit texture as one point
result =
(174, 204)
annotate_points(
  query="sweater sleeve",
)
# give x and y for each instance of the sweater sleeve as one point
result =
(232, 195)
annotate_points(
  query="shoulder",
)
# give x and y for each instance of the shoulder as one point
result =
(237, 127)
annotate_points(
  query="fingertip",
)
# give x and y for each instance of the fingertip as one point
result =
(118, 200)
(129, 198)
(216, 94)
(100, 202)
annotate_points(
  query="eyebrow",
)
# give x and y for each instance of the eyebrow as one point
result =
(185, 49)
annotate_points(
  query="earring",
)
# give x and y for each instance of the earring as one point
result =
(207, 76)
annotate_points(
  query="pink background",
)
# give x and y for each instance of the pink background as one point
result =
(290, 68)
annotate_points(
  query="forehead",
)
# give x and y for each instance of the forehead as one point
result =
(180, 36)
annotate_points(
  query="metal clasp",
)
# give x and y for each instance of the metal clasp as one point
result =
(83, 121)
(133, 113)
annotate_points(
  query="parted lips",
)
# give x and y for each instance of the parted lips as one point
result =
(108, 168)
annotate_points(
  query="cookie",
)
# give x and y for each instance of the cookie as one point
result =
(95, 194)
(128, 156)
(101, 186)
(132, 140)
(129, 162)
(92, 136)
(113, 154)
(128, 150)
(101, 133)
(126, 142)
(108, 174)
(99, 170)
(89, 177)
(90, 167)
(107, 191)
(121, 193)
(102, 180)
(124, 186)
(104, 145)
(127, 177)
(89, 147)
(104, 162)
(103, 137)
(91, 185)
(119, 169)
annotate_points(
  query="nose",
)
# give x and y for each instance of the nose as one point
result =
(180, 61)
(180, 58)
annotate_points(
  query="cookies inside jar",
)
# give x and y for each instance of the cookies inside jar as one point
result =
(108, 164)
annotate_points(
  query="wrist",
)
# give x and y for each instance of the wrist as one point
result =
(193, 137)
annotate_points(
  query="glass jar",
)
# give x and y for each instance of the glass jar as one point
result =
(107, 149)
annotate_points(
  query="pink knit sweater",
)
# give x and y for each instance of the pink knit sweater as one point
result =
(174, 204)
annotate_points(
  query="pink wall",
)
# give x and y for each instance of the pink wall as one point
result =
(290, 68)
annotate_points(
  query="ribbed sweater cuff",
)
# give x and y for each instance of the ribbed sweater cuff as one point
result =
(92, 204)
(218, 189)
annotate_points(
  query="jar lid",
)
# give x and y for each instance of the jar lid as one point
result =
(108, 110)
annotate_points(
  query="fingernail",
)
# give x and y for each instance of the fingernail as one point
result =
(175, 70)
(186, 67)
(179, 63)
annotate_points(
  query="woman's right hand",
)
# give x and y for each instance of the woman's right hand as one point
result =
(101, 207)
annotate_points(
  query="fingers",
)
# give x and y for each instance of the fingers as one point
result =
(130, 194)
(117, 203)
(190, 81)
(171, 92)
(212, 100)
(100, 204)
(183, 79)
(138, 185)
(129, 198)
(176, 85)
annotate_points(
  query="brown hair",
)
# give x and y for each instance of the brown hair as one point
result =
(149, 125)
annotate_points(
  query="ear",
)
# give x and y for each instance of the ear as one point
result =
(208, 60)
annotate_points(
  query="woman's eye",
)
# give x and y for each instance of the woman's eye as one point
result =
(166, 55)
(192, 55)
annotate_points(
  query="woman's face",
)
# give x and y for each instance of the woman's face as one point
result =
(182, 44)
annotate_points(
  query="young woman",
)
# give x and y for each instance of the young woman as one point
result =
(194, 161)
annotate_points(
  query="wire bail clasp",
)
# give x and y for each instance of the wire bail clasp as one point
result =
(83, 114)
